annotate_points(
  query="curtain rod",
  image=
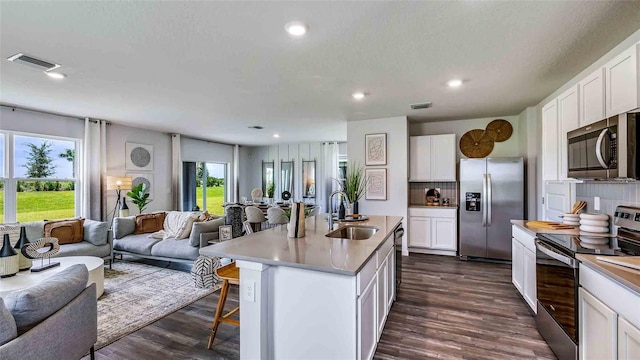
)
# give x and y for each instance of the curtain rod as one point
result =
(14, 108)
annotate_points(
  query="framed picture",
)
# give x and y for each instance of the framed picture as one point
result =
(376, 184)
(138, 157)
(375, 151)
(225, 232)
(147, 178)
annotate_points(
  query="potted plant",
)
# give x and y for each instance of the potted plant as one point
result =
(354, 185)
(139, 196)
(271, 189)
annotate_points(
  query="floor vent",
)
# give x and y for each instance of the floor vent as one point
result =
(33, 62)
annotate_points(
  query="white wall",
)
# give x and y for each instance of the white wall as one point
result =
(35, 122)
(510, 147)
(117, 137)
(397, 131)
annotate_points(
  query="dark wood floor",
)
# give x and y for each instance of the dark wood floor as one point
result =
(446, 309)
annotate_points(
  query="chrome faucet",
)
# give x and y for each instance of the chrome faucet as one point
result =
(344, 197)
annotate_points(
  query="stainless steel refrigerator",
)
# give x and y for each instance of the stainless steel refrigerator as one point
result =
(491, 194)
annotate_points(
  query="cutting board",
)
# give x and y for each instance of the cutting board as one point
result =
(550, 225)
(630, 262)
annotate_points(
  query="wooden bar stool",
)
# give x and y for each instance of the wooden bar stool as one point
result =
(230, 274)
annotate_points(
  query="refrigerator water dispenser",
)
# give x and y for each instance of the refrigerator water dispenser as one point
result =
(473, 201)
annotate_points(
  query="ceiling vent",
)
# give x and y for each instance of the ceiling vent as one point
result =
(33, 62)
(256, 127)
(421, 106)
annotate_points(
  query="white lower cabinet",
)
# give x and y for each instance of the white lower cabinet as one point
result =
(609, 318)
(376, 298)
(597, 328)
(434, 229)
(628, 340)
(523, 265)
(367, 324)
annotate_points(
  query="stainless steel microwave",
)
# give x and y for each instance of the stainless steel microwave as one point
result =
(606, 149)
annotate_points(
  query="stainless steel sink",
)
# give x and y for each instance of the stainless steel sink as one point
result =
(353, 232)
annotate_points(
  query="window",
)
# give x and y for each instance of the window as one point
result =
(204, 186)
(41, 179)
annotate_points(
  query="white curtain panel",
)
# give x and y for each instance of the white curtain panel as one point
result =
(94, 166)
(330, 170)
(176, 171)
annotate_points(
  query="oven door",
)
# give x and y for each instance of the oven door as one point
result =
(557, 284)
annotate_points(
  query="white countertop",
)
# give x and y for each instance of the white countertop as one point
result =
(315, 251)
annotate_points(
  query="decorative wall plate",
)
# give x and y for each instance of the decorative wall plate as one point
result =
(476, 144)
(499, 130)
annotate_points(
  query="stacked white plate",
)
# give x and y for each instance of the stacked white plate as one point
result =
(571, 219)
(595, 223)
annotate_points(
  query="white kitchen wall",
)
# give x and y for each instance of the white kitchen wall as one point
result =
(611, 195)
(397, 130)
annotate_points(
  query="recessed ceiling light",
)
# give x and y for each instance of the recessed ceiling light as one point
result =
(296, 28)
(276, 135)
(55, 75)
(454, 83)
(358, 95)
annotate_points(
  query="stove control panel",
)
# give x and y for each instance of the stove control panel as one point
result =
(627, 217)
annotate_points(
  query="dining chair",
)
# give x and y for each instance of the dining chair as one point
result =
(275, 216)
(256, 195)
(255, 216)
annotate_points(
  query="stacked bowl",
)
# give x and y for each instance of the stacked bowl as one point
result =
(571, 219)
(595, 223)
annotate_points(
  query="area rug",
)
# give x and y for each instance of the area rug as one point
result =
(135, 295)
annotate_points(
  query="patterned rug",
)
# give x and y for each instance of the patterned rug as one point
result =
(135, 295)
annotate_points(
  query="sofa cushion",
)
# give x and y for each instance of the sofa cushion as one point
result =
(8, 329)
(204, 227)
(34, 304)
(123, 226)
(84, 248)
(138, 244)
(95, 232)
(172, 248)
(34, 230)
(66, 231)
(149, 223)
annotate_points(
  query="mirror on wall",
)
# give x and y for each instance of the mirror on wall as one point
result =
(309, 179)
(286, 176)
(268, 178)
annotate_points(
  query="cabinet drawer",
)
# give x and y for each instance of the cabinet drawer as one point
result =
(615, 296)
(366, 274)
(434, 212)
(383, 251)
(524, 237)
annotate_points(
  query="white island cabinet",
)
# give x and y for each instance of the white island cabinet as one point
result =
(314, 297)
(523, 265)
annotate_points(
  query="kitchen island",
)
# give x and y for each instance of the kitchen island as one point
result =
(314, 297)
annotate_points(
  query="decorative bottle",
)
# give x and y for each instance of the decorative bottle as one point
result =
(8, 259)
(124, 209)
(24, 263)
(341, 210)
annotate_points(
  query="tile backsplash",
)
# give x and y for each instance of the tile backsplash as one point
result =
(447, 190)
(611, 195)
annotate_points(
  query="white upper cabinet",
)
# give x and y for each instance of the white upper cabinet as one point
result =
(568, 119)
(591, 91)
(550, 141)
(621, 79)
(432, 158)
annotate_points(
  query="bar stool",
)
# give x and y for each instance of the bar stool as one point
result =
(230, 274)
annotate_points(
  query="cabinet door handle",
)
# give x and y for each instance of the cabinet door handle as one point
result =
(599, 149)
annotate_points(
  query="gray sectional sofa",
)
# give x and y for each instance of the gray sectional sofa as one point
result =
(125, 242)
(96, 239)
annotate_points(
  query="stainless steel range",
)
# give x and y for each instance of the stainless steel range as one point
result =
(557, 277)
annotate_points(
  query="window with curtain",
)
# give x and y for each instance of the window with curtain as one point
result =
(42, 177)
(204, 186)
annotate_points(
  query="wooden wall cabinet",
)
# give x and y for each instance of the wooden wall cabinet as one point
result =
(432, 158)
(591, 91)
(621, 79)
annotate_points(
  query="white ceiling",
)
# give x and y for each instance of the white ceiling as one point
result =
(211, 69)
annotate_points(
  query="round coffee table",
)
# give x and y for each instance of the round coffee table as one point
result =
(26, 278)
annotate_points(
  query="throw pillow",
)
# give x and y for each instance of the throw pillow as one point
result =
(205, 216)
(96, 232)
(13, 230)
(149, 223)
(66, 231)
(8, 329)
(204, 227)
(36, 303)
(123, 226)
(185, 229)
